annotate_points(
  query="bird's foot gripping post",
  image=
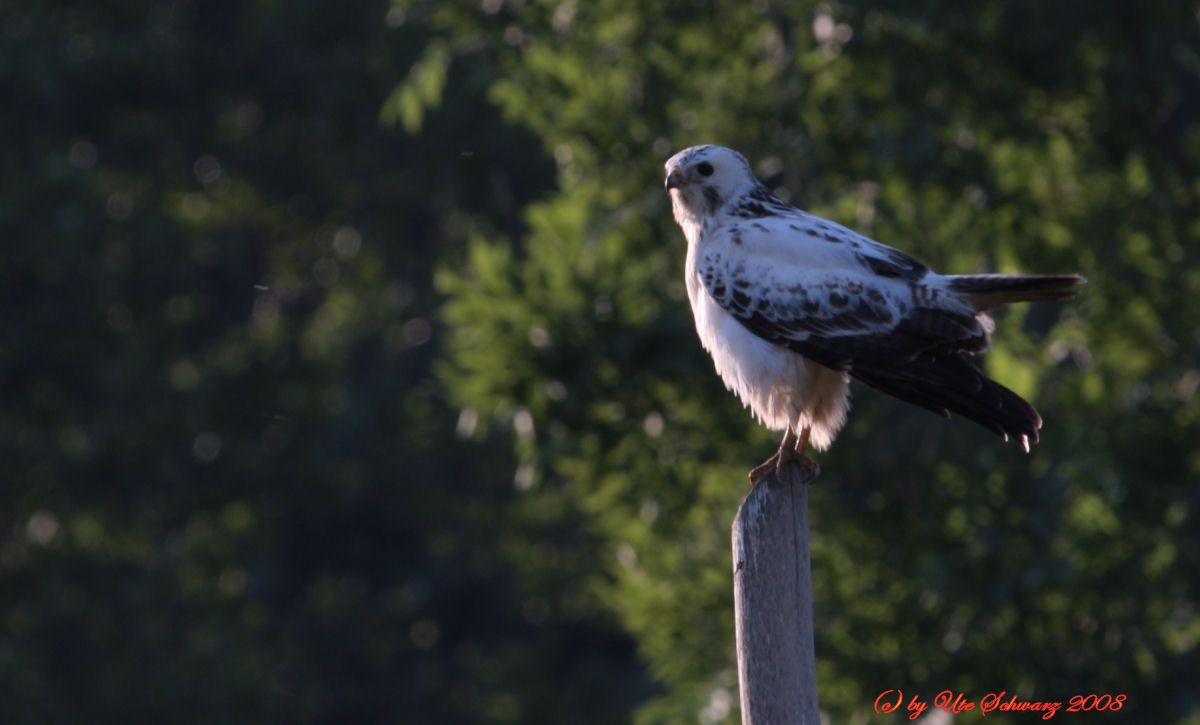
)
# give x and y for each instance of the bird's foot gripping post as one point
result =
(782, 463)
(772, 600)
(790, 453)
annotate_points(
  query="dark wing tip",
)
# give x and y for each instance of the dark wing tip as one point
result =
(949, 383)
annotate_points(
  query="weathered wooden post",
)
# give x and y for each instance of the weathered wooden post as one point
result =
(772, 602)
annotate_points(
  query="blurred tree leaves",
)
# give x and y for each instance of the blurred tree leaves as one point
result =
(421, 91)
(232, 490)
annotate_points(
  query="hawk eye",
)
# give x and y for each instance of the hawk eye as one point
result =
(705, 168)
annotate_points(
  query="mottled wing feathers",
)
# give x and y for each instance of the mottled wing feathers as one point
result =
(800, 312)
(841, 319)
(871, 312)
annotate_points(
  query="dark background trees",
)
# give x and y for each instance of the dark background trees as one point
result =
(347, 374)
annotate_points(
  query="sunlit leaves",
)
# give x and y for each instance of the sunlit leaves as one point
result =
(421, 91)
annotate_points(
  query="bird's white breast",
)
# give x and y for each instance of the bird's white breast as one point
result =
(779, 386)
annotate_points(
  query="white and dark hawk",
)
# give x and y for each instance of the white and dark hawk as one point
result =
(792, 306)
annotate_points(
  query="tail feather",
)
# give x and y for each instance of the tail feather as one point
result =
(986, 291)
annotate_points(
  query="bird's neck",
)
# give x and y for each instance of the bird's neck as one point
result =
(693, 223)
(686, 218)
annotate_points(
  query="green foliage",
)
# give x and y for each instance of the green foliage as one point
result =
(1016, 136)
(421, 91)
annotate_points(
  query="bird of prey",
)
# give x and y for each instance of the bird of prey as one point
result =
(792, 306)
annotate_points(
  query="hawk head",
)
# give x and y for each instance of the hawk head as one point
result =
(702, 179)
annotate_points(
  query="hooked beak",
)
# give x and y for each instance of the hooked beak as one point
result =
(673, 181)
